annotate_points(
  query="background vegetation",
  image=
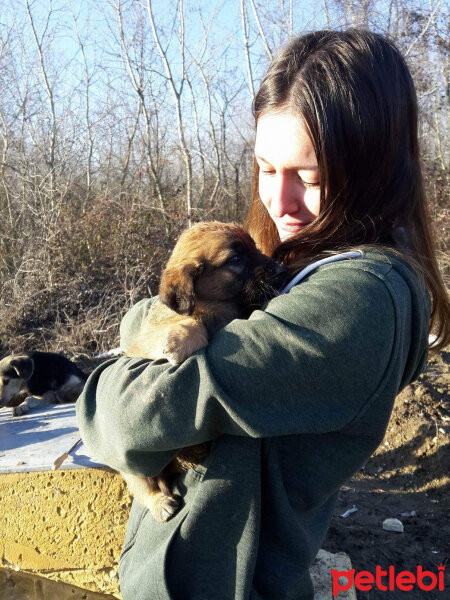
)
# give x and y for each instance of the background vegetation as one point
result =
(122, 122)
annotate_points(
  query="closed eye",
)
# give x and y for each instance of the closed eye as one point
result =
(308, 184)
(311, 184)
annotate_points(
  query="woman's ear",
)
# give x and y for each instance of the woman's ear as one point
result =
(176, 289)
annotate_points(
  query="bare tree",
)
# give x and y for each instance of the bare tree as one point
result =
(87, 92)
(248, 62)
(137, 72)
(261, 31)
(177, 95)
(50, 154)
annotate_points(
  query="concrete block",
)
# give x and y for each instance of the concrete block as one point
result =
(67, 526)
(15, 585)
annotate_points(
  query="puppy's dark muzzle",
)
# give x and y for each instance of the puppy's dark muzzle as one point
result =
(276, 275)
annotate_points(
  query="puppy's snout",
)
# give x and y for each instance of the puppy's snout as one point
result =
(276, 274)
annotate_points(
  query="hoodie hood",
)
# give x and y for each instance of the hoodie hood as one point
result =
(420, 311)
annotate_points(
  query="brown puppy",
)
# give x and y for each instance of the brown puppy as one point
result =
(214, 275)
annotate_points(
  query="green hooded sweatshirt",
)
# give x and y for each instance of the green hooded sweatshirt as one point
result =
(295, 399)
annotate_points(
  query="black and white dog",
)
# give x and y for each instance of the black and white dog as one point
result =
(42, 378)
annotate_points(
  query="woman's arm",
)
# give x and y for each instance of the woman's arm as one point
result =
(308, 363)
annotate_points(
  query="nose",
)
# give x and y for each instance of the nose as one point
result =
(286, 196)
(276, 273)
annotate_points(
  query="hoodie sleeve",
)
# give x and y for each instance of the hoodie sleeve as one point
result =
(309, 363)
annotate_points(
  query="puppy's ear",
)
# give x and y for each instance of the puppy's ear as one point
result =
(177, 288)
(23, 366)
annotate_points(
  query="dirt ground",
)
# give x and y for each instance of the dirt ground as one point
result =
(408, 479)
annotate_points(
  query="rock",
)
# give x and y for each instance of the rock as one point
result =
(393, 525)
(321, 575)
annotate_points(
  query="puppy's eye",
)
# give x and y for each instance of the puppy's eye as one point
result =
(234, 260)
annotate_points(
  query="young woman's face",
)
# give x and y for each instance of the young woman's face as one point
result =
(289, 181)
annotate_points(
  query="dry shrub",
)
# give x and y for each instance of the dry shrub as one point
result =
(68, 289)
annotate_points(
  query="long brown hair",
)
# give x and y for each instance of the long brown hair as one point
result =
(356, 97)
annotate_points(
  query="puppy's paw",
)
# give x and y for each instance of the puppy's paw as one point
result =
(174, 357)
(183, 340)
(20, 410)
(164, 507)
(175, 352)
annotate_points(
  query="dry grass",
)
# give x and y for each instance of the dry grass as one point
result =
(70, 297)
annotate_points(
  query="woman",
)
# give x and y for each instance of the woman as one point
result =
(298, 397)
